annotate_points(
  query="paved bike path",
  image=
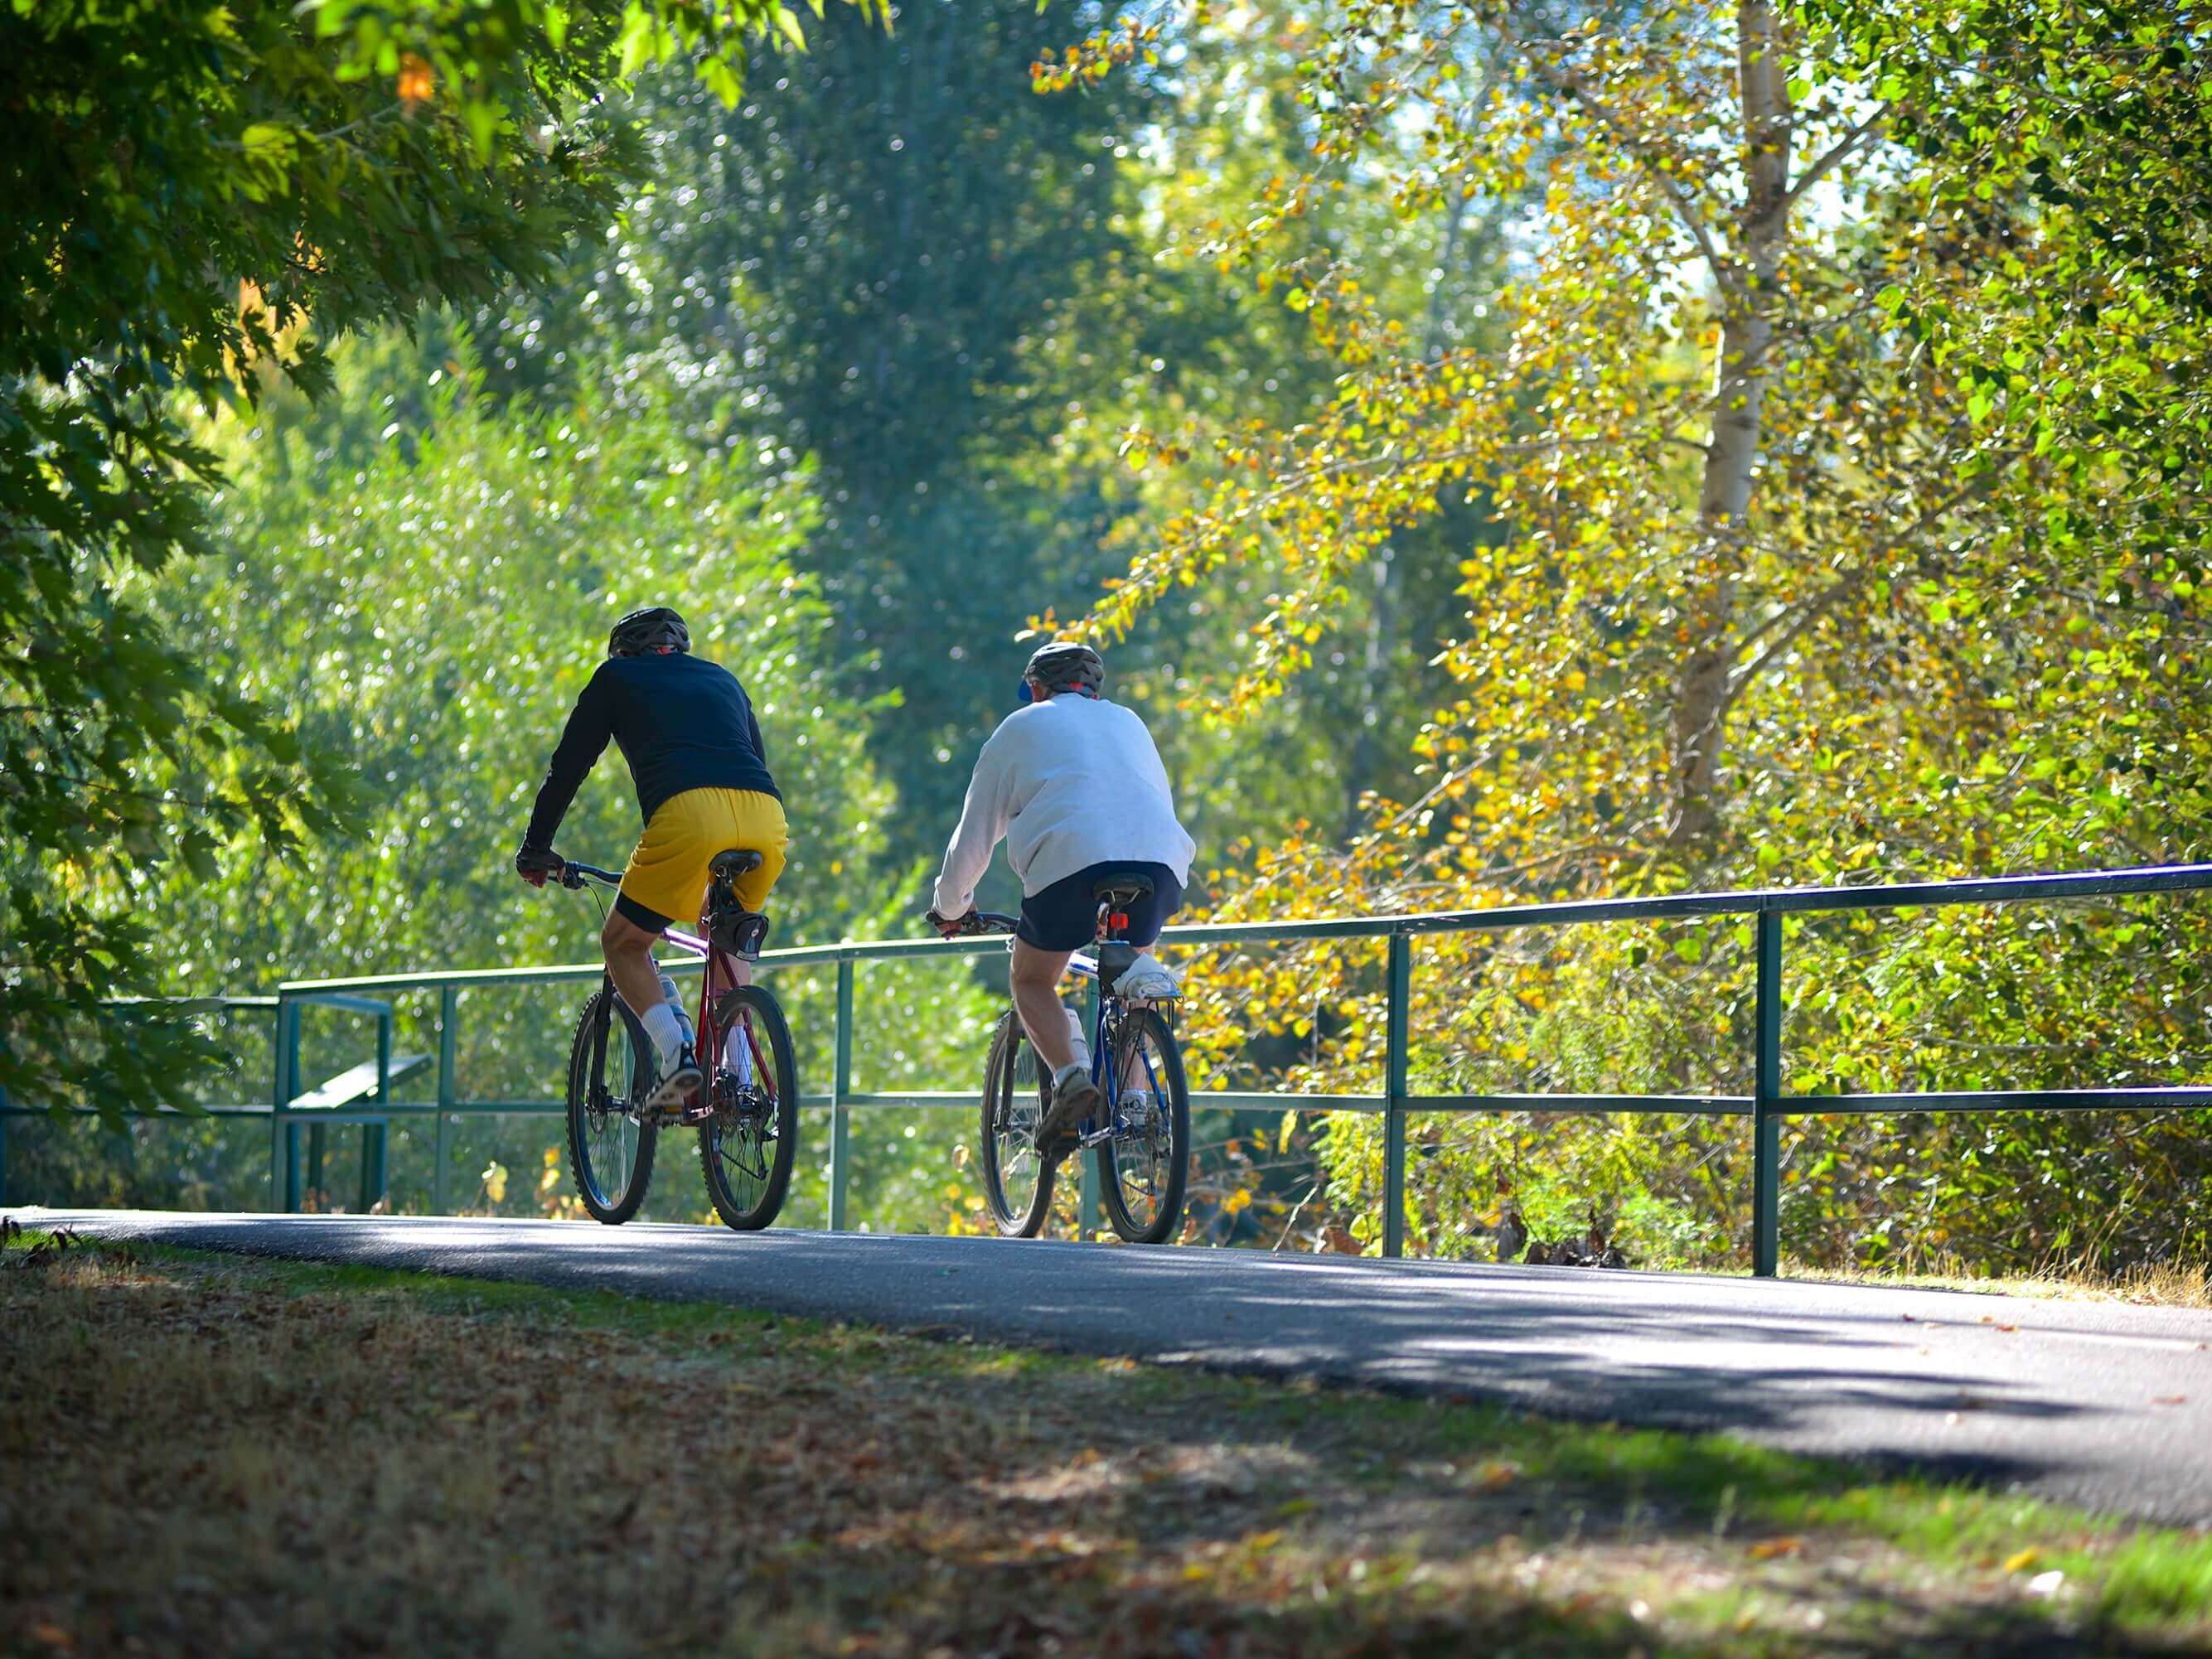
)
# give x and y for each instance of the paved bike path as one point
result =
(2099, 1404)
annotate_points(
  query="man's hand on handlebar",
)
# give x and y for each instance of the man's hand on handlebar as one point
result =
(534, 864)
(954, 926)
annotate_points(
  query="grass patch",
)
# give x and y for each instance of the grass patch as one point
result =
(220, 1455)
(2162, 1285)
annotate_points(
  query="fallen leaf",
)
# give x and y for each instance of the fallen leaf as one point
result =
(2021, 1561)
(1767, 1548)
(2046, 1584)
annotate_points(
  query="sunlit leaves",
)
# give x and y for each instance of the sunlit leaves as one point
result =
(1822, 449)
(188, 189)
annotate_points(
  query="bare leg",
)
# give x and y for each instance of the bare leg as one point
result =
(629, 950)
(1036, 1000)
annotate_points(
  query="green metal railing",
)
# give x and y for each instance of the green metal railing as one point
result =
(1766, 1106)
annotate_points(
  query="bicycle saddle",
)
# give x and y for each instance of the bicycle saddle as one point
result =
(737, 861)
(1122, 891)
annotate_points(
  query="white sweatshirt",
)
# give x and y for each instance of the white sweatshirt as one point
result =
(1069, 782)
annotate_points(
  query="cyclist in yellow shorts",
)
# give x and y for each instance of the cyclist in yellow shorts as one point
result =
(693, 747)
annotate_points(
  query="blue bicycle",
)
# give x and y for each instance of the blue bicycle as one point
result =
(1143, 1141)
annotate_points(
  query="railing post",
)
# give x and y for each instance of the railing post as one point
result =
(1767, 1103)
(372, 1135)
(1395, 1014)
(841, 1114)
(284, 1065)
(449, 1008)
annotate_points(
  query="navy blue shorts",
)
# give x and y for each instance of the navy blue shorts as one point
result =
(1065, 916)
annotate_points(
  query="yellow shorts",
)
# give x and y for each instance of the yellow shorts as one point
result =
(667, 872)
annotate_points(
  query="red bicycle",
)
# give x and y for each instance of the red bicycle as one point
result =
(746, 1109)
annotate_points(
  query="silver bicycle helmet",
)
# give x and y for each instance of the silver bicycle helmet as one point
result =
(1067, 665)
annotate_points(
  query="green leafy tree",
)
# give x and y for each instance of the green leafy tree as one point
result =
(1810, 561)
(871, 259)
(185, 188)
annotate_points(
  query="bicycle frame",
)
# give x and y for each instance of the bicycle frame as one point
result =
(718, 973)
(1105, 1020)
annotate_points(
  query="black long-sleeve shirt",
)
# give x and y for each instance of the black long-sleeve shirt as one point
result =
(680, 722)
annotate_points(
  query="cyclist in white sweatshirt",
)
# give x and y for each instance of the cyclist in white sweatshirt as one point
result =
(1074, 786)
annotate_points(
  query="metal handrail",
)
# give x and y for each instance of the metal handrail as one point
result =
(1766, 1106)
(1669, 907)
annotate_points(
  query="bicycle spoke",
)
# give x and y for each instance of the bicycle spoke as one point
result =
(1017, 1182)
(611, 1154)
(1143, 1150)
(745, 1144)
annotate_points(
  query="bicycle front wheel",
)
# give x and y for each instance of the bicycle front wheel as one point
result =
(1016, 1185)
(611, 1068)
(1143, 1167)
(746, 1149)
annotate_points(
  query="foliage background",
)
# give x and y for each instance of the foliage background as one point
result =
(1517, 451)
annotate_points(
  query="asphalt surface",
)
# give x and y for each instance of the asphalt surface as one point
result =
(2098, 1404)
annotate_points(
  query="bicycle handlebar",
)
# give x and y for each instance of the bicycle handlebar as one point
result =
(978, 922)
(573, 875)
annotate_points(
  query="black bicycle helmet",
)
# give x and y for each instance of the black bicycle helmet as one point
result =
(654, 629)
(1067, 665)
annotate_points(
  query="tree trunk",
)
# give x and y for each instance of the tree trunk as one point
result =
(1731, 453)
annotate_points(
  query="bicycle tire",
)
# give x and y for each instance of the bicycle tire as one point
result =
(588, 1080)
(1014, 1216)
(713, 1163)
(1135, 1027)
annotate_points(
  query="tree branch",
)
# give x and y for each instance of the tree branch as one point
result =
(1834, 156)
(1562, 79)
(1825, 601)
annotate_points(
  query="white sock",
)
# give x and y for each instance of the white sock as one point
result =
(666, 1028)
(1077, 1043)
(738, 1056)
(1067, 1074)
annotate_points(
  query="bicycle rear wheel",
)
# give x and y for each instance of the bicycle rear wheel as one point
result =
(611, 1068)
(1143, 1167)
(746, 1149)
(1016, 1185)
